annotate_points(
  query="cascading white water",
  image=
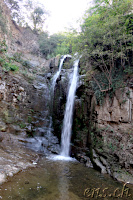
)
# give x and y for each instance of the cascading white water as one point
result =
(67, 123)
(59, 71)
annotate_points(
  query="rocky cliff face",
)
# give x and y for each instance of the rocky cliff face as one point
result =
(113, 141)
(24, 95)
(20, 103)
(105, 132)
(23, 108)
(119, 110)
(18, 39)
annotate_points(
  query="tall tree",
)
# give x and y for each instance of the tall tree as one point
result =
(38, 17)
(34, 18)
(14, 6)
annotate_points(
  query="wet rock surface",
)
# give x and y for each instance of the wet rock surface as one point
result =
(14, 157)
(45, 144)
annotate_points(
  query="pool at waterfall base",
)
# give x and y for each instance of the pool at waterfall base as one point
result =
(54, 178)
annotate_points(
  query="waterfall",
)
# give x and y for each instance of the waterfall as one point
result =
(67, 122)
(59, 71)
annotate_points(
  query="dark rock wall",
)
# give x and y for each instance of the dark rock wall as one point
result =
(59, 101)
(108, 143)
(21, 103)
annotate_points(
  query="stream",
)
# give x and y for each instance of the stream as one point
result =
(54, 179)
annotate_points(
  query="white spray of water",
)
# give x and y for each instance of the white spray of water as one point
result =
(67, 122)
(55, 77)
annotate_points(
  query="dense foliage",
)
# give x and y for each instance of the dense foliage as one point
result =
(56, 44)
(106, 44)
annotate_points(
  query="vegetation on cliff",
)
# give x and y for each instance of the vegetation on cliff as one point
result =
(5, 61)
(105, 43)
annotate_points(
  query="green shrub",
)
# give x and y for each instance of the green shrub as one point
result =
(22, 125)
(2, 61)
(5, 61)
(10, 67)
(3, 46)
(13, 67)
